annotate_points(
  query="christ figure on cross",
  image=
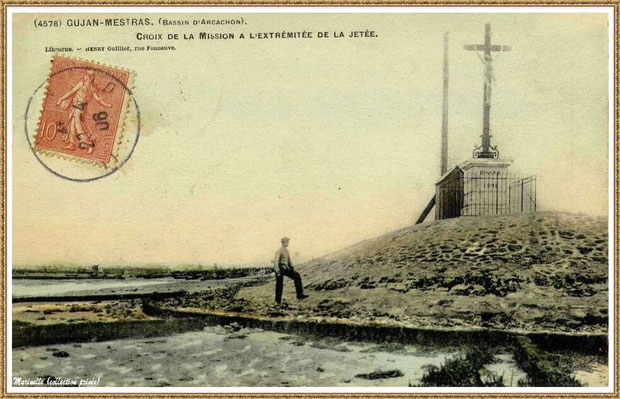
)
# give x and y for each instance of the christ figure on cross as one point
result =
(487, 47)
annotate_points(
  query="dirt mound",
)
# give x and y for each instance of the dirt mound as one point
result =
(524, 272)
(475, 256)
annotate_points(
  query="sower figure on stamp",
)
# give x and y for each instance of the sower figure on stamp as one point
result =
(284, 267)
(78, 98)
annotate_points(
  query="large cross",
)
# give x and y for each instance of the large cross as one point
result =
(486, 150)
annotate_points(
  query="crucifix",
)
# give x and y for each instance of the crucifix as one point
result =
(486, 150)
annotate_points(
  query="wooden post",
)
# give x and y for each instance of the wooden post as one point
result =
(426, 211)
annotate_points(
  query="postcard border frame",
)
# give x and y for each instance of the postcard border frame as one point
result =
(614, 4)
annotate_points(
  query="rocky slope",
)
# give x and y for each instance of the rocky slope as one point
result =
(524, 272)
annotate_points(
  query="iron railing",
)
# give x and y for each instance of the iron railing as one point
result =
(488, 194)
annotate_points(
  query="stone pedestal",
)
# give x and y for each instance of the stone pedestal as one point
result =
(487, 186)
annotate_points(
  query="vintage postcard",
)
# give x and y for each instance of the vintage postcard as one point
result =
(310, 200)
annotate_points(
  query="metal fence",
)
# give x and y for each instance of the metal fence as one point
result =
(485, 194)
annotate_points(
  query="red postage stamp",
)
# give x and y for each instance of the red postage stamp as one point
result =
(83, 110)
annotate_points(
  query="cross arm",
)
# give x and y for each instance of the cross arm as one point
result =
(499, 47)
(482, 47)
(474, 47)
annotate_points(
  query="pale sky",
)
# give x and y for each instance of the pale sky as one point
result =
(327, 141)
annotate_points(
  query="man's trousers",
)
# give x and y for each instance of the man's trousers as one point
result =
(280, 283)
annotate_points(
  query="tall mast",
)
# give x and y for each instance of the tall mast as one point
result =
(444, 118)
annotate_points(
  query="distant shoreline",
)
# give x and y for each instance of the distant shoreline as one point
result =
(119, 273)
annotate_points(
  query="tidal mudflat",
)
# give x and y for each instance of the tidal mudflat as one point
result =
(233, 356)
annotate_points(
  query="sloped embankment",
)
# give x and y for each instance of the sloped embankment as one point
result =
(537, 272)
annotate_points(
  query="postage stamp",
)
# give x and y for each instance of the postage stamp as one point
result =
(83, 111)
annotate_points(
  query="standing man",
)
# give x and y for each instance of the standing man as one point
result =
(283, 266)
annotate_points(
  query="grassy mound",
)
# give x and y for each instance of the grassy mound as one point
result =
(475, 256)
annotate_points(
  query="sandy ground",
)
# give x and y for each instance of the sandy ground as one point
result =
(76, 312)
(219, 356)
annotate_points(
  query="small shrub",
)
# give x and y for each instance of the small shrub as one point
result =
(543, 369)
(463, 371)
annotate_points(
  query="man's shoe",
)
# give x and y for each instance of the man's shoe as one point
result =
(302, 296)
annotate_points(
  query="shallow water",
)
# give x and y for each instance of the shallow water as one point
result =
(218, 357)
(27, 288)
(24, 288)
